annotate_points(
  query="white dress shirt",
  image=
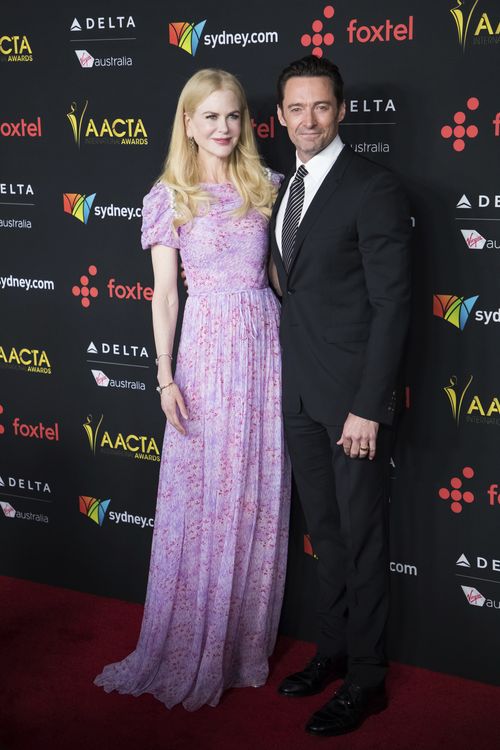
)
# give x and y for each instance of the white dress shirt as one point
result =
(317, 168)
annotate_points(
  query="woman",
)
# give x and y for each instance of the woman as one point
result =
(219, 546)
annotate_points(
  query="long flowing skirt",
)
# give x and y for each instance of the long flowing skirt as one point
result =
(218, 558)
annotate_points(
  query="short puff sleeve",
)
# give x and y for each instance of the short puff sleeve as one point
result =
(158, 218)
(275, 178)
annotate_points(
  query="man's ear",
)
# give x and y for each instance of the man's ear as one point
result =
(341, 112)
(280, 115)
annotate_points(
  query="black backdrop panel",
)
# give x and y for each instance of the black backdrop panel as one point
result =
(88, 96)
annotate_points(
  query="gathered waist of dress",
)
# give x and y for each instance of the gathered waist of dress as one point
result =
(227, 292)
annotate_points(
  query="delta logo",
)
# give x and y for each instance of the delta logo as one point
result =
(117, 131)
(15, 49)
(358, 32)
(87, 60)
(86, 293)
(474, 26)
(118, 350)
(10, 512)
(129, 445)
(475, 241)
(20, 483)
(453, 309)
(103, 381)
(103, 23)
(25, 359)
(480, 201)
(93, 508)
(80, 207)
(22, 128)
(478, 409)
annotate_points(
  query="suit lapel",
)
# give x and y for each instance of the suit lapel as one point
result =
(326, 190)
(272, 223)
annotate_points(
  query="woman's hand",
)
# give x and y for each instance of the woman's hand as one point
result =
(172, 403)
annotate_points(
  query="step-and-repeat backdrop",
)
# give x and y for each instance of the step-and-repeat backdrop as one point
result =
(86, 103)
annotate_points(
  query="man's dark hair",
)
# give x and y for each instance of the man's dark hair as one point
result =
(312, 67)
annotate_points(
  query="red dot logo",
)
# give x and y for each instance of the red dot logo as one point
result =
(318, 38)
(458, 130)
(85, 291)
(455, 493)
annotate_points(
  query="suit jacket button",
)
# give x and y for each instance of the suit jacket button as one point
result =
(290, 291)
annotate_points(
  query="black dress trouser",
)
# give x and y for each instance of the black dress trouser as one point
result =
(346, 507)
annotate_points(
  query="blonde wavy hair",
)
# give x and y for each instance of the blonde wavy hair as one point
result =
(245, 170)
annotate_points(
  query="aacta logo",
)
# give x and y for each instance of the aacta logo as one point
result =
(473, 26)
(133, 446)
(29, 360)
(123, 131)
(78, 205)
(93, 508)
(16, 49)
(22, 129)
(186, 35)
(455, 310)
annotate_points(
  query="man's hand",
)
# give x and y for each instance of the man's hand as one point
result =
(359, 437)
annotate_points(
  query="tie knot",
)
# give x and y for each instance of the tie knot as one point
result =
(301, 172)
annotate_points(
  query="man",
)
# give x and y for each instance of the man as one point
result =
(340, 246)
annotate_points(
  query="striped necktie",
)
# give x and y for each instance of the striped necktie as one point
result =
(293, 212)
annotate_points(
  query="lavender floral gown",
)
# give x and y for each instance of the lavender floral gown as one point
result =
(219, 546)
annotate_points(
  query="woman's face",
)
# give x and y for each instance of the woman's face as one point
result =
(215, 124)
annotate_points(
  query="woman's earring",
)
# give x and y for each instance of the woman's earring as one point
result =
(192, 143)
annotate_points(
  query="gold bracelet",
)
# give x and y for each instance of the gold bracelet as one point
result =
(160, 388)
(162, 355)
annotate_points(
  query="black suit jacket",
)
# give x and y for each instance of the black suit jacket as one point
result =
(345, 306)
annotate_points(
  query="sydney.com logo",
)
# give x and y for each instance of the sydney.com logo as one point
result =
(187, 36)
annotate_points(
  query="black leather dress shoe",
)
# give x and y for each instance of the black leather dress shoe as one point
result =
(314, 677)
(347, 710)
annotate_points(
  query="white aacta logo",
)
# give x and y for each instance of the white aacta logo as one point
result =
(92, 349)
(75, 26)
(463, 562)
(473, 596)
(8, 510)
(101, 378)
(464, 202)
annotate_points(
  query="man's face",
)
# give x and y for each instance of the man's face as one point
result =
(310, 113)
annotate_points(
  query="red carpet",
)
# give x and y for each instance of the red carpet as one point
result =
(54, 641)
